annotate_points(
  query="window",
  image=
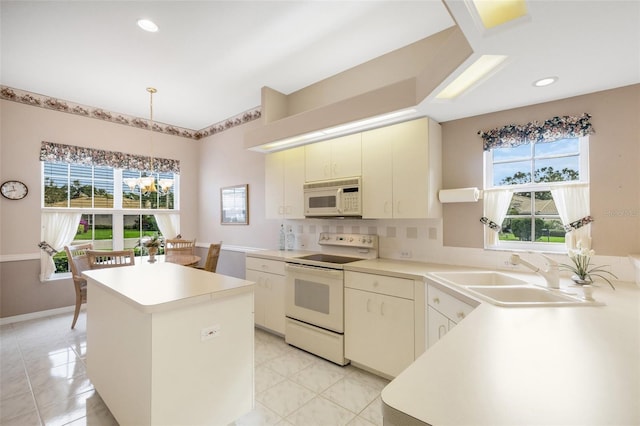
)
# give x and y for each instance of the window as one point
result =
(531, 170)
(113, 215)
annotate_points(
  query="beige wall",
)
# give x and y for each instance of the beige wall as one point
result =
(221, 160)
(614, 163)
(225, 162)
(23, 128)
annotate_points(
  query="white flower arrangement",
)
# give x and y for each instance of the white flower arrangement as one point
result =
(581, 267)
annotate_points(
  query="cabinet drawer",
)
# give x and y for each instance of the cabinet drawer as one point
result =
(265, 265)
(392, 286)
(454, 309)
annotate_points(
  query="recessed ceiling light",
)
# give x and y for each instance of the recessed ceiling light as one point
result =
(493, 13)
(147, 25)
(545, 81)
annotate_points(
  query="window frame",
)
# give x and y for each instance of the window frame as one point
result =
(117, 212)
(583, 162)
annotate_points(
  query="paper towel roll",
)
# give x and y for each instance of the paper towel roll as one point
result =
(461, 195)
(635, 261)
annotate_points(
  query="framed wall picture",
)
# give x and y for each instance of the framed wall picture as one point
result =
(234, 205)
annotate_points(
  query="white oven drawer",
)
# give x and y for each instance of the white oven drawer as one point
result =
(265, 265)
(392, 286)
(321, 342)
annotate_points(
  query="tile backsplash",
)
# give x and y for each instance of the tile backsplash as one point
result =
(420, 240)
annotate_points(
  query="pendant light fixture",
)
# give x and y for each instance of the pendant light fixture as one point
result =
(147, 184)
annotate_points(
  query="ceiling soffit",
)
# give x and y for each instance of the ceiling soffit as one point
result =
(397, 80)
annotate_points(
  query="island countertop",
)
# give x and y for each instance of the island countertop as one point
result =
(163, 285)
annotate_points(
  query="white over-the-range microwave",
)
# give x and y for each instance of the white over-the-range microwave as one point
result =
(333, 198)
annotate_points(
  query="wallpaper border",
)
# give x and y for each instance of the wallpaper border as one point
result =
(48, 102)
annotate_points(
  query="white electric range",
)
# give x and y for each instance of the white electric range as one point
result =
(314, 301)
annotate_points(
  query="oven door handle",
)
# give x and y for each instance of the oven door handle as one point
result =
(315, 270)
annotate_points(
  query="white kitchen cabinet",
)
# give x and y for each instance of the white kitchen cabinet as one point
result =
(437, 326)
(269, 276)
(379, 322)
(402, 171)
(334, 158)
(284, 179)
(444, 311)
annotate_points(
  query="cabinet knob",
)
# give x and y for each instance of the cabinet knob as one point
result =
(461, 315)
(436, 300)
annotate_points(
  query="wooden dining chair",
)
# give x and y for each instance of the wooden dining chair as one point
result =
(110, 259)
(78, 262)
(211, 263)
(179, 246)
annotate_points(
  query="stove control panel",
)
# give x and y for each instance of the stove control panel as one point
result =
(349, 240)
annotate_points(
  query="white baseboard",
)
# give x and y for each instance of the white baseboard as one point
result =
(36, 315)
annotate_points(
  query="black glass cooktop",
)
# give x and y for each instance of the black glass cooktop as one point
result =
(329, 258)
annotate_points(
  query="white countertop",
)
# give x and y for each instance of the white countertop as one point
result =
(163, 285)
(522, 366)
(525, 366)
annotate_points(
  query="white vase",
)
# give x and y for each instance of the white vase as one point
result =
(587, 292)
(576, 279)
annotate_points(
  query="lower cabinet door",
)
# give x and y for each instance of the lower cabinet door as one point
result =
(274, 318)
(268, 305)
(379, 331)
(437, 326)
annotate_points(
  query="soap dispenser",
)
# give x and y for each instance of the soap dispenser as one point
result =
(291, 239)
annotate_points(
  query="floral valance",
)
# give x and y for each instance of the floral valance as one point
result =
(551, 130)
(59, 153)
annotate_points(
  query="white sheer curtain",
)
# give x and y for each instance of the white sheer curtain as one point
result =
(58, 229)
(496, 205)
(572, 202)
(168, 223)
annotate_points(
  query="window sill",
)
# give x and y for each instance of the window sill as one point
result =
(57, 277)
(529, 247)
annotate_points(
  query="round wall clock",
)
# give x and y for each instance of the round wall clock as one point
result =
(14, 190)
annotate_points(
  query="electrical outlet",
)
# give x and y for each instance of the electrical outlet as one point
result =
(406, 254)
(210, 332)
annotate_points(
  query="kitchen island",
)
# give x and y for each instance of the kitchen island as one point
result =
(168, 344)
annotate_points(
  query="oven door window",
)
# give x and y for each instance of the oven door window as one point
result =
(312, 296)
(325, 201)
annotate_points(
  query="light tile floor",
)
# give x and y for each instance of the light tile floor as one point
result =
(43, 381)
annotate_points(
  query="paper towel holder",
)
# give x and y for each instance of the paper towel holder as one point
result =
(460, 195)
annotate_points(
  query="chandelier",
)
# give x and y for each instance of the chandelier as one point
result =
(147, 184)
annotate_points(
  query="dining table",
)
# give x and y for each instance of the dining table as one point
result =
(180, 259)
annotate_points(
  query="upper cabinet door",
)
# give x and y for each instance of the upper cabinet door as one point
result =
(401, 171)
(317, 158)
(346, 156)
(411, 169)
(333, 159)
(293, 183)
(377, 173)
(284, 179)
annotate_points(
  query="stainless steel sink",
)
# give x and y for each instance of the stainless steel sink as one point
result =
(480, 278)
(527, 296)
